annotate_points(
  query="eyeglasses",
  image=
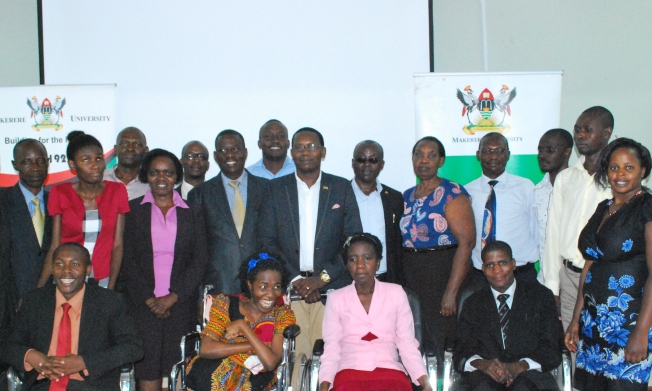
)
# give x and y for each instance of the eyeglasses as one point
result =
(371, 160)
(497, 152)
(306, 147)
(196, 156)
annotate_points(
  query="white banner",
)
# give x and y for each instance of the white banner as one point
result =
(460, 108)
(48, 114)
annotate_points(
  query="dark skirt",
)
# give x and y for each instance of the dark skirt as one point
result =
(427, 274)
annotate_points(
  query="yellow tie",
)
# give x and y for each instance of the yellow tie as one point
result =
(38, 220)
(239, 210)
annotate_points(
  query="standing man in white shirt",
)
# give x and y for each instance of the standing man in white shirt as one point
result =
(274, 143)
(555, 147)
(194, 159)
(574, 199)
(512, 219)
(381, 208)
(130, 148)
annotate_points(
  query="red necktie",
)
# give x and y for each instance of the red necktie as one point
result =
(64, 342)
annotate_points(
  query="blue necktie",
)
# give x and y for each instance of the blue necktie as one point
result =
(489, 218)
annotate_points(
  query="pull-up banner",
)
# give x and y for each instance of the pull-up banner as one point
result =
(460, 108)
(48, 114)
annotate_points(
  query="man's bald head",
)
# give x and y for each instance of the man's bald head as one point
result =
(134, 131)
(370, 144)
(25, 143)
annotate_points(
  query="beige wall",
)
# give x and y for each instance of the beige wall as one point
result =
(604, 49)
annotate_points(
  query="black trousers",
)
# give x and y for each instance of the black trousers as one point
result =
(526, 381)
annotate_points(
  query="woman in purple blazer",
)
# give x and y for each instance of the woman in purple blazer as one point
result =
(367, 325)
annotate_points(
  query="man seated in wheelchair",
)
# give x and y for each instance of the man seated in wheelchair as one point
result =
(72, 335)
(242, 344)
(367, 325)
(508, 333)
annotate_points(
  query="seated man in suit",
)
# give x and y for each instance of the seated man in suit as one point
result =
(508, 333)
(74, 334)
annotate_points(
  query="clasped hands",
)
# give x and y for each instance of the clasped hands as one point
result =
(503, 373)
(160, 306)
(54, 367)
(308, 288)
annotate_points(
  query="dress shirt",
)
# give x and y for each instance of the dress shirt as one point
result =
(534, 366)
(308, 211)
(230, 190)
(574, 199)
(259, 169)
(135, 188)
(29, 197)
(516, 222)
(372, 216)
(389, 318)
(185, 189)
(542, 193)
(164, 234)
(76, 302)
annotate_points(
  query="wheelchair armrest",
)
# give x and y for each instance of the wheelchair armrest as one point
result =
(126, 368)
(291, 332)
(318, 349)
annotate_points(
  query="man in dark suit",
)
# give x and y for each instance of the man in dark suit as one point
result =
(74, 333)
(194, 159)
(26, 225)
(231, 204)
(508, 333)
(381, 207)
(307, 219)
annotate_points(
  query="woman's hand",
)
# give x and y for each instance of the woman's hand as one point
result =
(636, 348)
(324, 386)
(572, 336)
(449, 303)
(234, 329)
(160, 306)
(425, 383)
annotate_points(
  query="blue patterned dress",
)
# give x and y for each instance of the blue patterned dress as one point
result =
(613, 294)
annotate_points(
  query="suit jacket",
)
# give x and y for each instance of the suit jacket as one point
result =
(389, 319)
(107, 336)
(226, 249)
(337, 218)
(19, 243)
(190, 258)
(534, 329)
(393, 207)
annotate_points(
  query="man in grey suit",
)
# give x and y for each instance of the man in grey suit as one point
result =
(307, 220)
(26, 225)
(231, 204)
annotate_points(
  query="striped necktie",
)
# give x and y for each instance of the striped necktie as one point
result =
(503, 315)
(489, 218)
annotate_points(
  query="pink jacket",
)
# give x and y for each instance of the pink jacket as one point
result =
(389, 318)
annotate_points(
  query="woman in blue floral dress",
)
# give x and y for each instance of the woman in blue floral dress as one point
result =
(610, 330)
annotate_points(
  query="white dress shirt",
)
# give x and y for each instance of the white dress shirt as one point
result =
(516, 222)
(534, 366)
(308, 209)
(574, 199)
(185, 189)
(372, 216)
(542, 194)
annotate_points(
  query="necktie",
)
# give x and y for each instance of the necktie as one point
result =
(503, 315)
(489, 218)
(38, 220)
(64, 341)
(238, 211)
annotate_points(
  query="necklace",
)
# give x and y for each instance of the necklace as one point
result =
(611, 201)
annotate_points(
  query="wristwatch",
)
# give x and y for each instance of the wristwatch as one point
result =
(325, 277)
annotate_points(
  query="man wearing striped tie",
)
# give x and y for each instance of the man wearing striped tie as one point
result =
(508, 332)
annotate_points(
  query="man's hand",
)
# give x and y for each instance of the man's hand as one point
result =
(39, 362)
(67, 365)
(308, 288)
(514, 369)
(493, 368)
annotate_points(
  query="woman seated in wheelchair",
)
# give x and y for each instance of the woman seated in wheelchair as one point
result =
(242, 344)
(367, 325)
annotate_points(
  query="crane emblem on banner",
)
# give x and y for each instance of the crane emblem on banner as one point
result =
(46, 115)
(484, 112)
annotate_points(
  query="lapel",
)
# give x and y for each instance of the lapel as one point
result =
(517, 312)
(86, 321)
(492, 320)
(357, 310)
(377, 301)
(252, 197)
(292, 197)
(387, 208)
(184, 226)
(324, 195)
(23, 218)
(46, 323)
(220, 199)
(47, 232)
(145, 220)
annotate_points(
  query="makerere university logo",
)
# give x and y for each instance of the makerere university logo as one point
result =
(486, 113)
(46, 114)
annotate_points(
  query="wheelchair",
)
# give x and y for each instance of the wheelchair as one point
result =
(190, 348)
(309, 367)
(127, 379)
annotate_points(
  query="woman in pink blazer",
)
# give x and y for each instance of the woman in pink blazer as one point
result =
(367, 325)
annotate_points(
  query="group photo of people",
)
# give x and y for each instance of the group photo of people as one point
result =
(108, 269)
